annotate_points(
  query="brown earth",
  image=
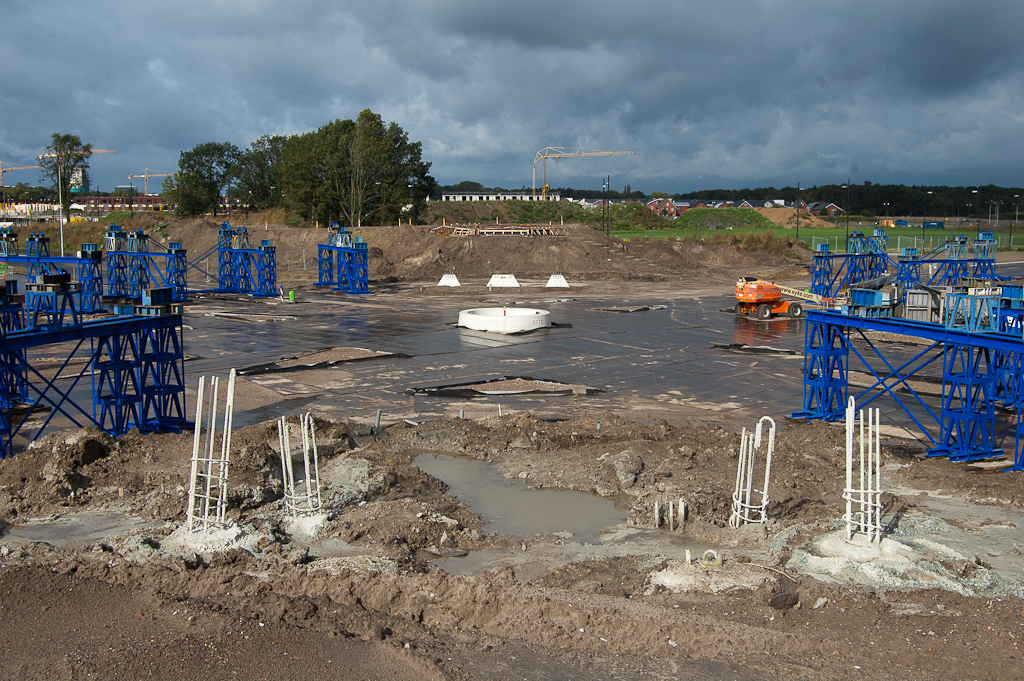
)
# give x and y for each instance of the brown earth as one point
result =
(381, 606)
(787, 217)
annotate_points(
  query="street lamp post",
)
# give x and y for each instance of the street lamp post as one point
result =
(131, 195)
(975, 191)
(1016, 214)
(924, 218)
(847, 188)
(798, 211)
(60, 207)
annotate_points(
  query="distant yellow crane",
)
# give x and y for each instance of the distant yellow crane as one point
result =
(563, 152)
(146, 175)
(4, 170)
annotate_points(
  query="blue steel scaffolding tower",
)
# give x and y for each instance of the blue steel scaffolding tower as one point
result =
(132, 267)
(86, 265)
(240, 267)
(868, 259)
(343, 262)
(975, 361)
(135, 368)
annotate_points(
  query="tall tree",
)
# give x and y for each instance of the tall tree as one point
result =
(203, 173)
(356, 171)
(259, 171)
(64, 155)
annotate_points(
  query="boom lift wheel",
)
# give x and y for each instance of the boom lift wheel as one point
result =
(764, 311)
(796, 310)
(739, 310)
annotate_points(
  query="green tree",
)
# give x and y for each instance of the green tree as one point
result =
(259, 171)
(203, 173)
(64, 155)
(356, 171)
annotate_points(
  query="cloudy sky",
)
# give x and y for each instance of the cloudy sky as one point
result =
(708, 94)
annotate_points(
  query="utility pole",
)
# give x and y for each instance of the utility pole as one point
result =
(847, 188)
(924, 219)
(798, 211)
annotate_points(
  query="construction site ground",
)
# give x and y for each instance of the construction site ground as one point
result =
(499, 523)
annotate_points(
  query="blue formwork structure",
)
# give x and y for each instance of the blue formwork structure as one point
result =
(13, 383)
(240, 267)
(974, 356)
(135, 369)
(38, 261)
(832, 273)
(343, 262)
(136, 262)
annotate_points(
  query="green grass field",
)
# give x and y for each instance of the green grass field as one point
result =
(899, 237)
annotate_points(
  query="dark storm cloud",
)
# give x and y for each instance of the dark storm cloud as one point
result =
(735, 93)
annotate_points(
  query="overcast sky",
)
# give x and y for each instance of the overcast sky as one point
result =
(709, 94)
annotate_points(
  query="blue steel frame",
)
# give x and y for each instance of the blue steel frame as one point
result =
(241, 268)
(974, 367)
(138, 380)
(867, 259)
(37, 261)
(132, 268)
(343, 263)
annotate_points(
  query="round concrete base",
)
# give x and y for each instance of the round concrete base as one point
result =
(504, 320)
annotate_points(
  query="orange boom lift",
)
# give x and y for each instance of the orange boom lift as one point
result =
(764, 298)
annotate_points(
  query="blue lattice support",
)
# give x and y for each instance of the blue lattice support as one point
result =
(975, 312)
(226, 279)
(908, 268)
(242, 265)
(968, 404)
(984, 269)
(139, 278)
(821, 273)
(177, 265)
(266, 270)
(325, 265)
(162, 378)
(826, 360)
(116, 393)
(90, 278)
(8, 242)
(117, 274)
(353, 269)
(13, 371)
(51, 309)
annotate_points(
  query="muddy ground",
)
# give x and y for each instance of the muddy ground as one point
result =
(398, 579)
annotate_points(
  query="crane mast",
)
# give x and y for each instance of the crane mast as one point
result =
(563, 152)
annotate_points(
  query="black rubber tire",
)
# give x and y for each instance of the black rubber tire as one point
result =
(796, 310)
(739, 310)
(764, 311)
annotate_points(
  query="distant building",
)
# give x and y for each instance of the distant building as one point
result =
(463, 196)
(824, 208)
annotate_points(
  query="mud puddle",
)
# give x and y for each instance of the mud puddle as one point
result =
(80, 529)
(513, 507)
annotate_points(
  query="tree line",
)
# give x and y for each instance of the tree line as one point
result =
(346, 171)
(869, 199)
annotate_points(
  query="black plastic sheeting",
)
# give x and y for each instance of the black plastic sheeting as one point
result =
(460, 389)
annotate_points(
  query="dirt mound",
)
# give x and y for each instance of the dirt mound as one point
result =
(415, 253)
(786, 217)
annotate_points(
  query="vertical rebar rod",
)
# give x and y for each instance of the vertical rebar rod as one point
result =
(211, 433)
(850, 419)
(196, 438)
(225, 455)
